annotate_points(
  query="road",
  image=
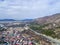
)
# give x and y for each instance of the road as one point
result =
(54, 41)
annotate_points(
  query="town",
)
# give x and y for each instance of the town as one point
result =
(17, 33)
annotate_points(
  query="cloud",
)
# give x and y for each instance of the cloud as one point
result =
(20, 9)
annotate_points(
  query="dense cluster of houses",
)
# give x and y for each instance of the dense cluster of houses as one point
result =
(16, 38)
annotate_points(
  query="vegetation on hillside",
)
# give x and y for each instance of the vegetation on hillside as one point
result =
(48, 32)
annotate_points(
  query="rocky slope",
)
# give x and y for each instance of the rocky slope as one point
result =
(55, 18)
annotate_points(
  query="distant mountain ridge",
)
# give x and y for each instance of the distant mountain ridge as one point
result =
(27, 20)
(7, 20)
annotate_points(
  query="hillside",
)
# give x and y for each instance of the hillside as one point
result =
(55, 18)
(48, 25)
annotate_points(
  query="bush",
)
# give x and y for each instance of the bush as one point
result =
(48, 32)
(2, 29)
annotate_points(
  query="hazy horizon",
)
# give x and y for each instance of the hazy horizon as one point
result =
(28, 9)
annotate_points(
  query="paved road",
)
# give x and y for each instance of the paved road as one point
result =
(55, 41)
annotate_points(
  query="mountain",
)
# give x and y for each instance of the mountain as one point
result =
(27, 20)
(48, 25)
(24, 20)
(7, 20)
(55, 18)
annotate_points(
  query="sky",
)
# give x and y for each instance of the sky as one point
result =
(23, 9)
